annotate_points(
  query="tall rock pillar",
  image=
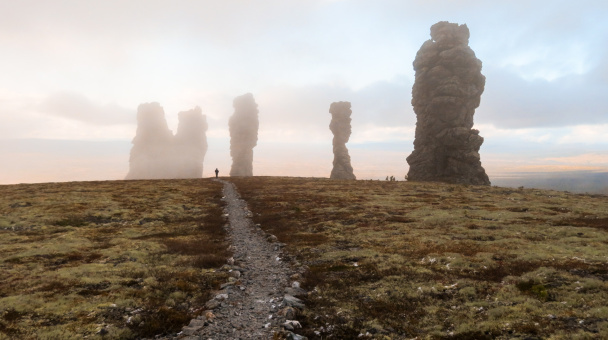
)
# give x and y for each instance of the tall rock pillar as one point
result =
(340, 127)
(446, 92)
(243, 127)
(151, 154)
(190, 143)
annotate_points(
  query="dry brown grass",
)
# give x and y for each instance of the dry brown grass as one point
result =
(398, 260)
(134, 257)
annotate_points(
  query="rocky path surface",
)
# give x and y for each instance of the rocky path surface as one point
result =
(258, 300)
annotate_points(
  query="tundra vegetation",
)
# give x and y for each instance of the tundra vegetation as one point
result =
(396, 260)
(386, 260)
(111, 260)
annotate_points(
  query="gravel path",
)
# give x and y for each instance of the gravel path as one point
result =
(254, 304)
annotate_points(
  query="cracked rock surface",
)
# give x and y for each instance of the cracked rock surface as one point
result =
(446, 92)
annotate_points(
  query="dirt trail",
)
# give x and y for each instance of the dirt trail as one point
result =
(249, 306)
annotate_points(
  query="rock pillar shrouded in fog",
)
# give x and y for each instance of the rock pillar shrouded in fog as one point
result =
(190, 143)
(446, 92)
(151, 145)
(340, 127)
(243, 126)
(157, 154)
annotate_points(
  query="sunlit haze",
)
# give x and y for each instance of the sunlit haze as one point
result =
(74, 73)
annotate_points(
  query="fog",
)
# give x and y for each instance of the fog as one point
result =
(244, 127)
(573, 181)
(74, 74)
(157, 153)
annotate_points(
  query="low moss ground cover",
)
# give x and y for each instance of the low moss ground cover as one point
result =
(111, 260)
(398, 260)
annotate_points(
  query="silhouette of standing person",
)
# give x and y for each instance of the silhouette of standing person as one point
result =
(216, 172)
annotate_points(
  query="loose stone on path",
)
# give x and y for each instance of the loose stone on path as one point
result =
(253, 304)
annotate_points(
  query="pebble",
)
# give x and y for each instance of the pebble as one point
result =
(289, 313)
(293, 336)
(262, 279)
(292, 301)
(295, 291)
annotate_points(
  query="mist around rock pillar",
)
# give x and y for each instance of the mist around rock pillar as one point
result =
(243, 125)
(157, 154)
(341, 128)
(190, 143)
(446, 92)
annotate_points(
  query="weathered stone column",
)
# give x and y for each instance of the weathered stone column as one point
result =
(190, 143)
(243, 126)
(446, 92)
(340, 127)
(151, 154)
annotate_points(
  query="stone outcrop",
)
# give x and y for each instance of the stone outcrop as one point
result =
(446, 92)
(340, 127)
(243, 126)
(157, 154)
(151, 145)
(190, 143)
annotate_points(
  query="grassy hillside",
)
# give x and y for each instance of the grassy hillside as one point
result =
(123, 258)
(396, 260)
(387, 260)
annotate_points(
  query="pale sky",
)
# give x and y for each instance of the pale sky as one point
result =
(73, 73)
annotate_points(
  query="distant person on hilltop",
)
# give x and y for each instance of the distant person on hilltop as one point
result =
(216, 172)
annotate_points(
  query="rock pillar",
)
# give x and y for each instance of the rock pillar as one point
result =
(190, 143)
(340, 127)
(243, 126)
(152, 145)
(446, 92)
